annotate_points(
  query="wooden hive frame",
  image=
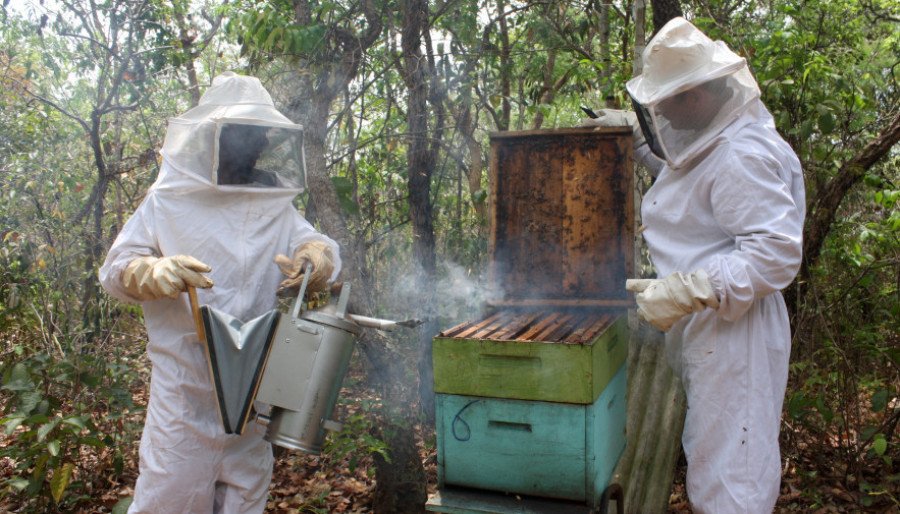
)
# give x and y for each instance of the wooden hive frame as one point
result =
(561, 205)
(571, 327)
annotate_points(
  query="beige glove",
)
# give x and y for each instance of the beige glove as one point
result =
(152, 278)
(662, 302)
(317, 253)
(617, 118)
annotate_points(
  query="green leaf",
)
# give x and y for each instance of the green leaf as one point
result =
(868, 432)
(121, 396)
(46, 429)
(60, 480)
(40, 470)
(19, 379)
(806, 129)
(272, 38)
(798, 405)
(879, 444)
(826, 413)
(343, 186)
(36, 419)
(826, 123)
(53, 447)
(879, 400)
(28, 401)
(18, 483)
(12, 423)
(77, 421)
(311, 38)
(118, 462)
(92, 441)
(89, 379)
(121, 507)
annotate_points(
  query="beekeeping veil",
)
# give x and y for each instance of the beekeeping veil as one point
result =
(678, 61)
(234, 140)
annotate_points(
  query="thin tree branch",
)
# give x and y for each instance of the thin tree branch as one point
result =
(824, 209)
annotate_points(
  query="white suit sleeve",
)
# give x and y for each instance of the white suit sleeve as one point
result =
(136, 239)
(644, 156)
(753, 204)
(304, 233)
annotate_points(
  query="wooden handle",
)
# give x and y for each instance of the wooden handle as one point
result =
(195, 310)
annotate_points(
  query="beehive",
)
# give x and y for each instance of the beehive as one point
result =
(532, 355)
(539, 381)
(561, 247)
(547, 449)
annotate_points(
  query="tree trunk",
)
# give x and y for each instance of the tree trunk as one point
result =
(639, 14)
(420, 168)
(663, 11)
(607, 70)
(467, 126)
(467, 121)
(547, 90)
(400, 483)
(187, 47)
(505, 68)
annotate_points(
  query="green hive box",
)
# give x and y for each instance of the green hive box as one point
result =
(531, 370)
(552, 450)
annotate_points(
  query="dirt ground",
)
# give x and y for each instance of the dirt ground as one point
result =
(323, 484)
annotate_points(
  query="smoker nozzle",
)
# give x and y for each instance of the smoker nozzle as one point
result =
(383, 324)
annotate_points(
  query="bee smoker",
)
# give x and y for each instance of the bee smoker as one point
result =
(309, 358)
(293, 363)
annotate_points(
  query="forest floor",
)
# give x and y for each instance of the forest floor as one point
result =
(811, 483)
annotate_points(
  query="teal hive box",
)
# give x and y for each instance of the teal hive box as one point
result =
(566, 371)
(546, 449)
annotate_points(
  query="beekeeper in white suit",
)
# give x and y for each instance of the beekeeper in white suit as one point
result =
(217, 217)
(724, 221)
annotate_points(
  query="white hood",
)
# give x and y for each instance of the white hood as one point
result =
(191, 145)
(679, 59)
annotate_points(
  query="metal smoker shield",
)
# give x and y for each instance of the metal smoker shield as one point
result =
(237, 354)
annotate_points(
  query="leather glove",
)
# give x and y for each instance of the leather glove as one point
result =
(617, 118)
(662, 302)
(317, 253)
(152, 278)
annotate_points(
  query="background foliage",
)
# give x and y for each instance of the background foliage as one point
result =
(87, 87)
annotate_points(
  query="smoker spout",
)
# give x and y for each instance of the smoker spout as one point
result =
(382, 324)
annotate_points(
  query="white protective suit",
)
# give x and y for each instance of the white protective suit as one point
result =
(729, 200)
(187, 462)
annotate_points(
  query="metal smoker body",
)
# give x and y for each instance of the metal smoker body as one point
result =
(295, 364)
(309, 357)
